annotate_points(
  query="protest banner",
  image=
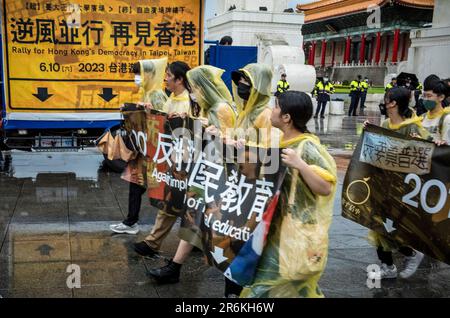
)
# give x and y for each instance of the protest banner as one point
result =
(399, 187)
(222, 193)
(63, 56)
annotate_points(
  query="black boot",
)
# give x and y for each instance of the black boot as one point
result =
(143, 249)
(169, 274)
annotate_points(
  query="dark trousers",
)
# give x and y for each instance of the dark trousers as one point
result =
(134, 204)
(363, 100)
(321, 106)
(354, 103)
(231, 288)
(386, 257)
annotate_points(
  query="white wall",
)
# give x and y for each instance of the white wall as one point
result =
(430, 48)
(252, 5)
(247, 27)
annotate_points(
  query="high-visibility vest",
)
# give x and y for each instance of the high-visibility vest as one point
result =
(355, 86)
(282, 86)
(389, 86)
(364, 87)
(322, 89)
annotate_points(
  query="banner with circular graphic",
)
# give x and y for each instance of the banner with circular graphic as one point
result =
(400, 188)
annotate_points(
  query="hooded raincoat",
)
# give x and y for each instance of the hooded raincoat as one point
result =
(212, 96)
(214, 101)
(296, 251)
(254, 114)
(152, 74)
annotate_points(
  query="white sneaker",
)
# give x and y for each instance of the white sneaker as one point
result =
(386, 272)
(411, 264)
(122, 228)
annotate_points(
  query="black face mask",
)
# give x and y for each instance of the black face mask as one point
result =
(244, 91)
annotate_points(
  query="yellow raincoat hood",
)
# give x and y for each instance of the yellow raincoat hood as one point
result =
(210, 90)
(152, 73)
(260, 76)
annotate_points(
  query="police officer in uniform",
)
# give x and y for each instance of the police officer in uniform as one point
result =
(392, 84)
(323, 91)
(355, 94)
(282, 85)
(364, 90)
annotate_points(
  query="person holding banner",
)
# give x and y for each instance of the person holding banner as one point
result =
(437, 118)
(296, 250)
(149, 75)
(252, 93)
(178, 104)
(214, 100)
(402, 120)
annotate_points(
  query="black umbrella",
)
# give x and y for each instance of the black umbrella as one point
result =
(403, 77)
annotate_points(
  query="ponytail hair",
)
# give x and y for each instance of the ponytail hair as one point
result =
(179, 70)
(299, 106)
(402, 96)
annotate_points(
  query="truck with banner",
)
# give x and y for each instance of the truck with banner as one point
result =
(67, 65)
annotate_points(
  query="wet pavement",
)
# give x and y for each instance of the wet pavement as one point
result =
(56, 208)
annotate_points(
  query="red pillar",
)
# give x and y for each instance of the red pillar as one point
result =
(386, 54)
(378, 48)
(324, 52)
(348, 44)
(395, 48)
(308, 47)
(334, 53)
(362, 49)
(313, 53)
(405, 43)
(372, 46)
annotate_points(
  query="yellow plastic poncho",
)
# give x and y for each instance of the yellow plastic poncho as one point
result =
(151, 90)
(255, 113)
(178, 104)
(297, 244)
(410, 127)
(152, 74)
(214, 100)
(212, 96)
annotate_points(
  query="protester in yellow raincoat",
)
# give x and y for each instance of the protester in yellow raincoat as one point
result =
(176, 82)
(252, 93)
(296, 251)
(149, 76)
(404, 121)
(178, 104)
(214, 99)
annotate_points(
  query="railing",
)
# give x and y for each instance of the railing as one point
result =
(365, 64)
(37, 143)
(356, 64)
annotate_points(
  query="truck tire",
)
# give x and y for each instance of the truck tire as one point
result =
(114, 165)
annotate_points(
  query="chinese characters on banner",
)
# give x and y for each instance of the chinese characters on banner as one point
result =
(400, 187)
(221, 193)
(78, 55)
